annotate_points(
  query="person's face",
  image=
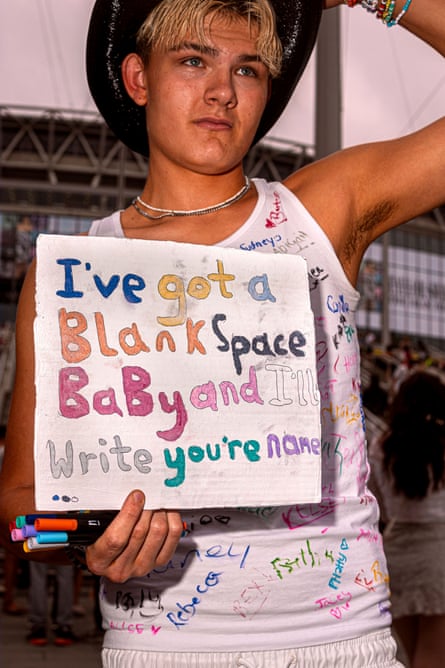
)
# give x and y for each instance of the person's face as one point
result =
(204, 104)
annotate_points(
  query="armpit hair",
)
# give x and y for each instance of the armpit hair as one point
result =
(361, 228)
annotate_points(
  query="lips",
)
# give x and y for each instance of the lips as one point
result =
(212, 123)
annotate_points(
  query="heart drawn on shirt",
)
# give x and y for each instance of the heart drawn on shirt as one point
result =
(275, 218)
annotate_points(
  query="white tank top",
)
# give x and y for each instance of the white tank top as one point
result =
(275, 577)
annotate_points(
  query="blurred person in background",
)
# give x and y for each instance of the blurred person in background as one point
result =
(408, 478)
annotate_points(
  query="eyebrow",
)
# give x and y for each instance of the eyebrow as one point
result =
(211, 51)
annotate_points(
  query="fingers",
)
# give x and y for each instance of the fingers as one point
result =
(171, 538)
(135, 542)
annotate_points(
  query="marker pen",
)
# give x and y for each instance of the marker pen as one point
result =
(48, 537)
(21, 520)
(17, 535)
(31, 544)
(29, 530)
(51, 524)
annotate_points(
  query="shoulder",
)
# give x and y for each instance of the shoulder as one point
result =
(336, 191)
(110, 226)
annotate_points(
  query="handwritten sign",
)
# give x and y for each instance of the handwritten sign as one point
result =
(185, 371)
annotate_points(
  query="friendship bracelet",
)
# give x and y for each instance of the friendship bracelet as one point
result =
(370, 5)
(395, 21)
(389, 11)
(383, 9)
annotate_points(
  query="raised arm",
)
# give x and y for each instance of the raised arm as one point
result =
(359, 193)
(136, 541)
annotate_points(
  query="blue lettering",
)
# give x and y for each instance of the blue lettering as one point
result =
(106, 289)
(184, 613)
(339, 306)
(68, 292)
(270, 241)
(131, 284)
(265, 293)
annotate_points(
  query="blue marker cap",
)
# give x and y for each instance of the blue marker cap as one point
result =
(47, 537)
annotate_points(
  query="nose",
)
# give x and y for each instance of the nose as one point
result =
(221, 90)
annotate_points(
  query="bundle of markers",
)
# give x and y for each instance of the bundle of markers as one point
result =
(56, 530)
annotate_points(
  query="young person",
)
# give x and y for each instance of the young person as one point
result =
(281, 586)
(408, 478)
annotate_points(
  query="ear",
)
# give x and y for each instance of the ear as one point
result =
(133, 76)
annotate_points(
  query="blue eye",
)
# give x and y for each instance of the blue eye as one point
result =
(194, 61)
(247, 71)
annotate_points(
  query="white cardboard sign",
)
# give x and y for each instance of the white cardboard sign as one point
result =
(185, 371)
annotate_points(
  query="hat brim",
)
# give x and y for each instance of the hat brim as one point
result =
(112, 35)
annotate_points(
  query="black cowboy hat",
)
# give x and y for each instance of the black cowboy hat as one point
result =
(112, 35)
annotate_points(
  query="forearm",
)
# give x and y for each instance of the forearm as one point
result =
(426, 19)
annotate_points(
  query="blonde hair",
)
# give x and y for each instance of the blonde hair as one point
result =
(173, 21)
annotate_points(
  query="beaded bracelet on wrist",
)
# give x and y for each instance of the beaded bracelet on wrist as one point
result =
(383, 9)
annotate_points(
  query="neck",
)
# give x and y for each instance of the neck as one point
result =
(190, 191)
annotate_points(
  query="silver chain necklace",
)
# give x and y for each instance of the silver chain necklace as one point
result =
(191, 212)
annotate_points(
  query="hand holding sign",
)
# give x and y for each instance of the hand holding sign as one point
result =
(135, 542)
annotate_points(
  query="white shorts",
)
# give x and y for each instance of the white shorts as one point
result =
(377, 650)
